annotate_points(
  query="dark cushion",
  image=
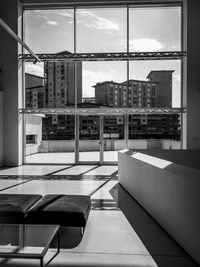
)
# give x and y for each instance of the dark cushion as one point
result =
(65, 210)
(13, 207)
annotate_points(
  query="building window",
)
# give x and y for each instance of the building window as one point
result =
(31, 139)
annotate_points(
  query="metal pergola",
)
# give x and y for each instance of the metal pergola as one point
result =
(166, 55)
(100, 111)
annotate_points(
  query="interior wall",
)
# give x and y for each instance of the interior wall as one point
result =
(10, 84)
(193, 71)
(1, 127)
(170, 194)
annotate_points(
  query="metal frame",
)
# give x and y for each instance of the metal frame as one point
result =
(166, 55)
(16, 37)
(101, 111)
(121, 56)
(70, 4)
(39, 256)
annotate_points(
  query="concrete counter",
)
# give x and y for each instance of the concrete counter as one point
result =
(170, 192)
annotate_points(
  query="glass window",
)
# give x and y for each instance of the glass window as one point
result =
(155, 29)
(49, 31)
(101, 30)
(164, 79)
(98, 79)
(41, 80)
(100, 83)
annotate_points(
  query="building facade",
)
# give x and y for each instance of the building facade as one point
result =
(60, 79)
(156, 92)
(163, 80)
(34, 86)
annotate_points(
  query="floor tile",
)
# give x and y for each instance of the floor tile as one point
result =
(103, 170)
(104, 192)
(7, 183)
(69, 157)
(54, 158)
(110, 156)
(32, 170)
(56, 187)
(91, 156)
(76, 170)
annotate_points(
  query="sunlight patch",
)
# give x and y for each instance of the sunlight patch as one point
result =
(157, 162)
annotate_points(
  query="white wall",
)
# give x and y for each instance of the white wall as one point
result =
(171, 195)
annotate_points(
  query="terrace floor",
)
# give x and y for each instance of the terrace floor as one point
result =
(69, 157)
(119, 232)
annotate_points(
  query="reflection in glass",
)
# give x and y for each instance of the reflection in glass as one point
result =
(49, 31)
(155, 29)
(101, 30)
(155, 83)
(113, 136)
(50, 138)
(89, 137)
(154, 131)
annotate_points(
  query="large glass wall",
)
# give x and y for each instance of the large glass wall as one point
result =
(101, 30)
(102, 81)
(49, 31)
(154, 28)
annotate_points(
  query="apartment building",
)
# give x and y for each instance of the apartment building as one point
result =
(60, 83)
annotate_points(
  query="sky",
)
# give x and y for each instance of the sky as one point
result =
(105, 30)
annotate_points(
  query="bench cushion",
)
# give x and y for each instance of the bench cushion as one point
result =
(65, 210)
(13, 207)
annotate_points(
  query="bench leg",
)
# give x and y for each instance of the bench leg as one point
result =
(82, 230)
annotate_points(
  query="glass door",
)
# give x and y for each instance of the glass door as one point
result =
(113, 137)
(49, 139)
(89, 142)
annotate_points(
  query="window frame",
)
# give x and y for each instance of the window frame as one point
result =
(127, 4)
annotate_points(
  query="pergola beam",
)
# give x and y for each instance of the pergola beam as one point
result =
(166, 55)
(35, 58)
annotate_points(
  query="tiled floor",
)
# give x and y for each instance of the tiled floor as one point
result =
(69, 157)
(118, 233)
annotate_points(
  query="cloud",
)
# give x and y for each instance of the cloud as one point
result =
(52, 22)
(37, 69)
(43, 14)
(91, 20)
(64, 13)
(145, 45)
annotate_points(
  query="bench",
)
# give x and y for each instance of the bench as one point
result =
(63, 210)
